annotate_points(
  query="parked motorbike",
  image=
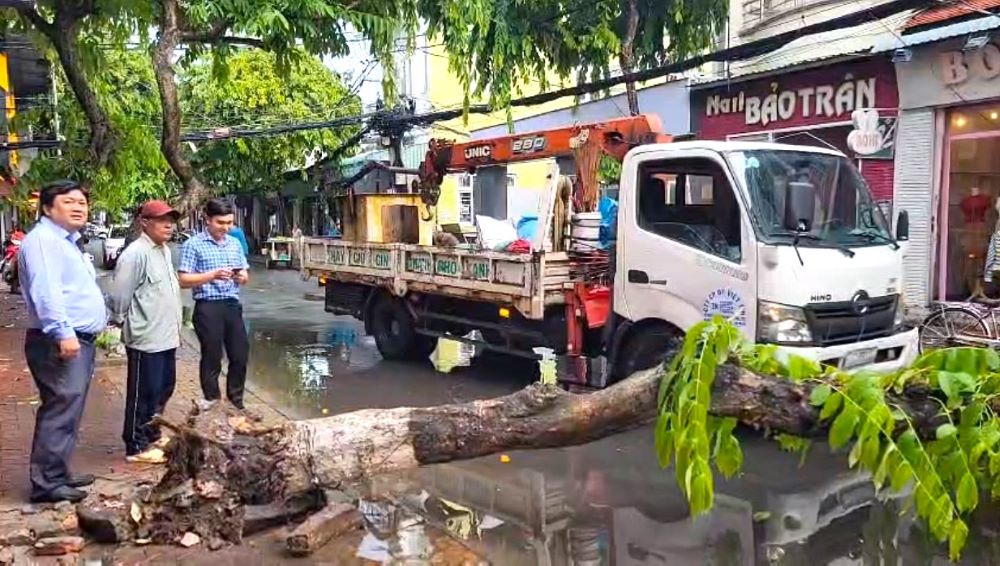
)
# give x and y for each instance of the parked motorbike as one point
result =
(8, 266)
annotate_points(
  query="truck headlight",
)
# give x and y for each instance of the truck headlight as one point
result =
(778, 324)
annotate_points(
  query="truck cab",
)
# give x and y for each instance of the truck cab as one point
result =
(784, 241)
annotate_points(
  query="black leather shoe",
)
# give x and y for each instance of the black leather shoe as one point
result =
(64, 493)
(82, 480)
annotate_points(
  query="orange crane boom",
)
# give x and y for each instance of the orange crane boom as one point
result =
(584, 142)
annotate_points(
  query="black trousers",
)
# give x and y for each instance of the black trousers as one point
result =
(62, 388)
(219, 324)
(150, 384)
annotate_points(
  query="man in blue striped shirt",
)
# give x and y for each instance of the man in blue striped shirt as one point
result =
(66, 312)
(213, 265)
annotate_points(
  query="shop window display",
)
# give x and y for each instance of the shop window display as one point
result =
(972, 180)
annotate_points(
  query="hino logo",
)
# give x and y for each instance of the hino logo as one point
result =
(821, 298)
(478, 152)
(860, 302)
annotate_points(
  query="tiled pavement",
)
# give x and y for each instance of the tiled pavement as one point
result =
(100, 450)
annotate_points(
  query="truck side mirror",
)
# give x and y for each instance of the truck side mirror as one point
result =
(800, 206)
(903, 226)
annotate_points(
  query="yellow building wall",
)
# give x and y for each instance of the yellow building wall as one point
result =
(9, 105)
(531, 175)
(447, 209)
(445, 92)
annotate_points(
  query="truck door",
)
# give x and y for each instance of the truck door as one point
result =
(686, 250)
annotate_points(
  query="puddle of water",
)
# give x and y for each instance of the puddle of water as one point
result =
(528, 517)
(603, 503)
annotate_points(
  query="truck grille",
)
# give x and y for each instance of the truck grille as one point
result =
(837, 323)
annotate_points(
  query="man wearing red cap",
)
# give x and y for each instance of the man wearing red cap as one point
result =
(146, 302)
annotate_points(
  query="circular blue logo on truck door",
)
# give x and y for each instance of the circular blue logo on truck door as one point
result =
(728, 303)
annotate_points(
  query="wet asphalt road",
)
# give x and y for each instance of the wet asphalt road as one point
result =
(607, 502)
(608, 498)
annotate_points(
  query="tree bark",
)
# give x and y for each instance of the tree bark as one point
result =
(626, 58)
(62, 33)
(194, 191)
(220, 462)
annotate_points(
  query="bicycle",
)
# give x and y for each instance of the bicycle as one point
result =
(962, 324)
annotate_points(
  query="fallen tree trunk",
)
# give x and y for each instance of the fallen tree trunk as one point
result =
(220, 462)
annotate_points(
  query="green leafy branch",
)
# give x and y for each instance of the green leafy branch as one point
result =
(944, 473)
(685, 433)
(858, 408)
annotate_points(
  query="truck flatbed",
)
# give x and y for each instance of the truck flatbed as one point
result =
(528, 282)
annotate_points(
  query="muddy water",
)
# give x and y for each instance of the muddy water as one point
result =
(604, 503)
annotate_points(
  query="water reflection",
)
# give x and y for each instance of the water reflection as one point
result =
(603, 503)
(319, 370)
(572, 507)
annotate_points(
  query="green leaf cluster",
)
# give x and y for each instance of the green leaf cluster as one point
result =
(943, 470)
(127, 91)
(685, 434)
(497, 47)
(256, 93)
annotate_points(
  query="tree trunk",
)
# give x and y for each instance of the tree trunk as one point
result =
(62, 33)
(626, 58)
(194, 192)
(220, 462)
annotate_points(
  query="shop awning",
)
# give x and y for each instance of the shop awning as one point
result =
(945, 12)
(939, 33)
(836, 44)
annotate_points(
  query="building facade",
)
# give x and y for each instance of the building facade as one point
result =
(25, 81)
(948, 174)
(808, 106)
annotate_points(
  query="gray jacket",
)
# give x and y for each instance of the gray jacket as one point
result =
(145, 297)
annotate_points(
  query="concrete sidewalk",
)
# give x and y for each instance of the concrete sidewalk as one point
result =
(100, 450)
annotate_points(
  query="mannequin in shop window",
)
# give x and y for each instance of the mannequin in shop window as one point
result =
(990, 289)
(975, 237)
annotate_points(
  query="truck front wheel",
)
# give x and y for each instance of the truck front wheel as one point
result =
(644, 349)
(395, 334)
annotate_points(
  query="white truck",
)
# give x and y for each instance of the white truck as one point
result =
(783, 240)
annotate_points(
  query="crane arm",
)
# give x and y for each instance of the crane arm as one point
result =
(585, 142)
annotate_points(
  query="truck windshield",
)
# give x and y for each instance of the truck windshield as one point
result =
(845, 213)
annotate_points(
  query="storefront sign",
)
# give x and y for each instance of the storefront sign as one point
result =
(829, 100)
(873, 137)
(956, 67)
(944, 74)
(810, 106)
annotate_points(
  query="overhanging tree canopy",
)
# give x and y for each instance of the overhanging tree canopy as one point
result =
(125, 91)
(498, 47)
(254, 93)
(493, 45)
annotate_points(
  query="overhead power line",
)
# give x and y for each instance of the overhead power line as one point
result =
(737, 53)
(743, 51)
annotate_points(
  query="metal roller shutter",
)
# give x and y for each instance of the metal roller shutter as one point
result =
(914, 182)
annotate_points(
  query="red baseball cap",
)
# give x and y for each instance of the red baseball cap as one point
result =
(157, 209)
